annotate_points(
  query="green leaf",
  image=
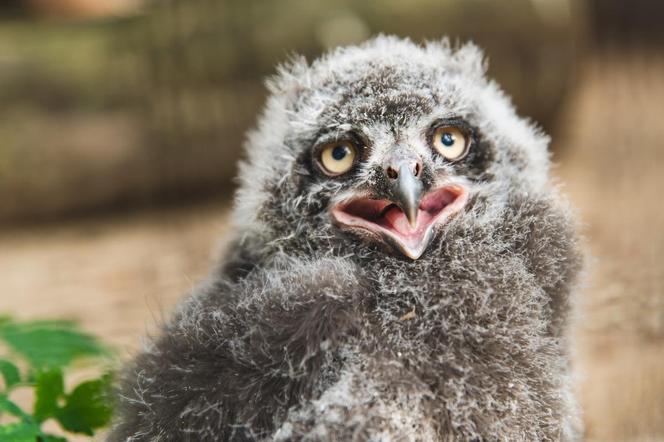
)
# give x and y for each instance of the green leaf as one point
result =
(10, 373)
(19, 432)
(51, 438)
(88, 407)
(31, 376)
(4, 320)
(48, 344)
(7, 406)
(48, 389)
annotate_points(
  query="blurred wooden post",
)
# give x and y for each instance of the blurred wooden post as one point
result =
(154, 107)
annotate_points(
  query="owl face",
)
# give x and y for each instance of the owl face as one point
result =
(398, 188)
(383, 145)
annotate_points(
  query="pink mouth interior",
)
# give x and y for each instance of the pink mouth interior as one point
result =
(385, 217)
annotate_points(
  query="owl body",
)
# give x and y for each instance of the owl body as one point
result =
(406, 293)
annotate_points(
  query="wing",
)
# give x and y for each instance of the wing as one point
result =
(237, 355)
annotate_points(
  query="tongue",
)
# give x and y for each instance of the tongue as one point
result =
(398, 221)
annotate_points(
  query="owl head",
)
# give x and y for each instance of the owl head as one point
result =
(377, 148)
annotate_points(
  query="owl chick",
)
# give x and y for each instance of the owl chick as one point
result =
(402, 269)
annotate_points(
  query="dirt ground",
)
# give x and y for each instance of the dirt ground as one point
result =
(119, 276)
(611, 168)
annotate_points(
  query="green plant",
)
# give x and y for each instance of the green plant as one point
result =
(38, 353)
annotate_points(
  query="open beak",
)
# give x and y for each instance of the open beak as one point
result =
(406, 218)
(405, 225)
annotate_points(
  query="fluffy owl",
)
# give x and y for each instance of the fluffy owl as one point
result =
(402, 269)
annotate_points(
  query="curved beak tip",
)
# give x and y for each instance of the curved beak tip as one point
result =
(412, 217)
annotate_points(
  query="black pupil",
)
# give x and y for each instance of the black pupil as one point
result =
(447, 139)
(339, 152)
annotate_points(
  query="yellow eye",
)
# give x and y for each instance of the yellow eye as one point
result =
(450, 142)
(338, 157)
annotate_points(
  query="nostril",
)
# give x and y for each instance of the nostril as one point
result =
(392, 173)
(417, 170)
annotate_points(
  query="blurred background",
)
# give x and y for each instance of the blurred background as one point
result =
(121, 122)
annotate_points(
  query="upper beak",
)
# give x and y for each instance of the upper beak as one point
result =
(406, 187)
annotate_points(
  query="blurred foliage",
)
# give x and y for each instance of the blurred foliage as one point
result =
(152, 107)
(45, 349)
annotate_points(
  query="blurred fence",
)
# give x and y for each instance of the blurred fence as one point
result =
(153, 106)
